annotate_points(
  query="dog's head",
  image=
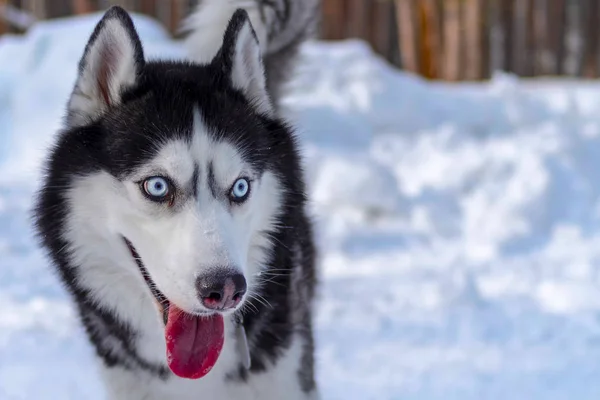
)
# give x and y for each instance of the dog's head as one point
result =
(177, 169)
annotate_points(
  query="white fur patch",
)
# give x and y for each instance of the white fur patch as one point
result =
(248, 73)
(208, 24)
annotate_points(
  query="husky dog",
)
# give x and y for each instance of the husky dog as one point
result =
(173, 208)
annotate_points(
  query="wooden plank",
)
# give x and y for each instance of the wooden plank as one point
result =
(474, 38)
(394, 49)
(381, 25)
(530, 45)
(517, 47)
(576, 26)
(358, 16)
(148, 7)
(333, 19)
(122, 3)
(135, 5)
(523, 43)
(507, 12)
(83, 6)
(590, 64)
(407, 34)
(431, 41)
(452, 40)
(540, 37)
(175, 15)
(557, 22)
(58, 8)
(486, 29)
(544, 64)
(494, 37)
(3, 22)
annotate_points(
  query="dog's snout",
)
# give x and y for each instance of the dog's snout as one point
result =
(221, 291)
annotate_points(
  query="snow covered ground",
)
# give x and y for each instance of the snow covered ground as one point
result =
(459, 228)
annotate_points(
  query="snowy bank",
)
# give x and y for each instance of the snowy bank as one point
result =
(459, 227)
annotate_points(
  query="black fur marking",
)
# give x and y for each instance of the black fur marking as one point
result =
(195, 178)
(212, 182)
(115, 342)
(161, 299)
(160, 108)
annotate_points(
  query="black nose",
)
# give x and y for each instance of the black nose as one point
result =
(221, 290)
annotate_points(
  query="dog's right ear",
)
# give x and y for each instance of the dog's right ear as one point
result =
(112, 62)
(242, 61)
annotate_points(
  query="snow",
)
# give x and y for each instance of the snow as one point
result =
(458, 225)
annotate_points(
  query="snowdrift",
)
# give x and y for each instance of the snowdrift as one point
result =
(459, 227)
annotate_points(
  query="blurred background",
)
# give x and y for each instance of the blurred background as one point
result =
(452, 154)
(439, 39)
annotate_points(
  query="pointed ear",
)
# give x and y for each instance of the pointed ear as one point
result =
(243, 62)
(112, 62)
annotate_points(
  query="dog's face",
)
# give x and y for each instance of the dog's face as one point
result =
(198, 213)
(172, 166)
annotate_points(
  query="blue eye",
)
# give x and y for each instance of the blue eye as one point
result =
(157, 188)
(240, 190)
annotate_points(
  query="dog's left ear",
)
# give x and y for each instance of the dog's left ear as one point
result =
(112, 63)
(243, 62)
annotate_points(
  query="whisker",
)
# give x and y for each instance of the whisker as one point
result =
(271, 281)
(261, 300)
(249, 304)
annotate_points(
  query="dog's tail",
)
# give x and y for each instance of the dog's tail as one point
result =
(280, 25)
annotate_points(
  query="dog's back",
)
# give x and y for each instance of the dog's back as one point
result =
(280, 25)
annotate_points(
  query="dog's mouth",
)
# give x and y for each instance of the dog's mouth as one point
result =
(161, 299)
(194, 342)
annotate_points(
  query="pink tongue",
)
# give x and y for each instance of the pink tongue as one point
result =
(193, 343)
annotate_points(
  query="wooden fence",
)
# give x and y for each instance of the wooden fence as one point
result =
(439, 39)
(168, 12)
(468, 39)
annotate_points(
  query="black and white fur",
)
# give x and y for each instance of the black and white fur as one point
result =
(280, 26)
(201, 125)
